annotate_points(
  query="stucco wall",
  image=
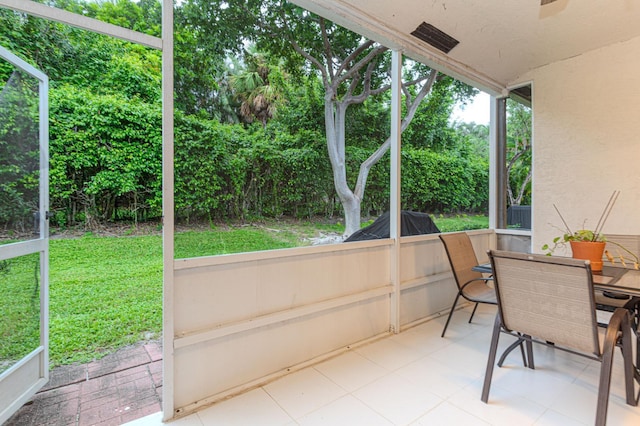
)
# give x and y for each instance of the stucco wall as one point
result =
(586, 120)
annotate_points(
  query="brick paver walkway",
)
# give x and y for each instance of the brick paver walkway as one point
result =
(116, 389)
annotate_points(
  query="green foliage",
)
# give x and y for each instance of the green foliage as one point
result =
(245, 172)
(368, 124)
(206, 34)
(430, 126)
(376, 200)
(209, 176)
(105, 126)
(475, 137)
(19, 151)
(519, 152)
(105, 153)
(143, 15)
(19, 308)
(304, 109)
(446, 182)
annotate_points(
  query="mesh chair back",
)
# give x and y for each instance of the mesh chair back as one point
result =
(462, 257)
(549, 298)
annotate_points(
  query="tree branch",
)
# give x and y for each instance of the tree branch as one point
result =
(327, 48)
(326, 74)
(366, 87)
(353, 55)
(411, 109)
(361, 63)
(382, 149)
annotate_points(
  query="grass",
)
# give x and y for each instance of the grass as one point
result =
(460, 222)
(20, 308)
(106, 292)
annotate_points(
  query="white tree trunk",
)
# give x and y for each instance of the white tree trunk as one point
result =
(335, 113)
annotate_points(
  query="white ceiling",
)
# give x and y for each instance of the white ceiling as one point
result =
(500, 40)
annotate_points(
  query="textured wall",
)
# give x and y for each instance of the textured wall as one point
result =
(586, 114)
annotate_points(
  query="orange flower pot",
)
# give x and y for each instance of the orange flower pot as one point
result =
(589, 250)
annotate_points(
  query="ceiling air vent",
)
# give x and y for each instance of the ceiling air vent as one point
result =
(436, 38)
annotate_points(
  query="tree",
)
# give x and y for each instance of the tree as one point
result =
(352, 69)
(474, 135)
(256, 88)
(518, 152)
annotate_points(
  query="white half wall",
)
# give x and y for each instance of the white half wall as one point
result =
(586, 143)
(243, 320)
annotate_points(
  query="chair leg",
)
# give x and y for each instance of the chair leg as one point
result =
(524, 356)
(530, 354)
(604, 387)
(629, 368)
(455, 302)
(473, 312)
(493, 350)
(510, 348)
(618, 323)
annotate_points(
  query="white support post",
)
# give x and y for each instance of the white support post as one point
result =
(493, 172)
(394, 202)
(168, 210)
(43, 86)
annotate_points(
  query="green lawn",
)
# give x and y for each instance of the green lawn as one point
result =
(20, 308)
(106, 292)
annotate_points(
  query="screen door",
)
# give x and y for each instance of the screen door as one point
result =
(24, 251)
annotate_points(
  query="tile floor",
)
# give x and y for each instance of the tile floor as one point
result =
(419, 378)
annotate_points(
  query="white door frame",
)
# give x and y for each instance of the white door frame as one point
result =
(22, 380)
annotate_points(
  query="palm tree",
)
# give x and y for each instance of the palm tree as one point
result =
(255, 89)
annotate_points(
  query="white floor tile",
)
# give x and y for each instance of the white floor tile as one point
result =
(418, 378)
(439, 378)
(155, 419)
(447, 414)
(539, 385)
(553, 418)
(351, 370)
(504, 408)
(346, 411)
(423, 339)
(388, 354)
(303, 392)
(464, 356)
(398, 399)
(251, 408)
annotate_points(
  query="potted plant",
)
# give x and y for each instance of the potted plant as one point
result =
(590, 244)
(585, 244)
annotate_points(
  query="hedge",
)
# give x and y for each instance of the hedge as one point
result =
(106, 165)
